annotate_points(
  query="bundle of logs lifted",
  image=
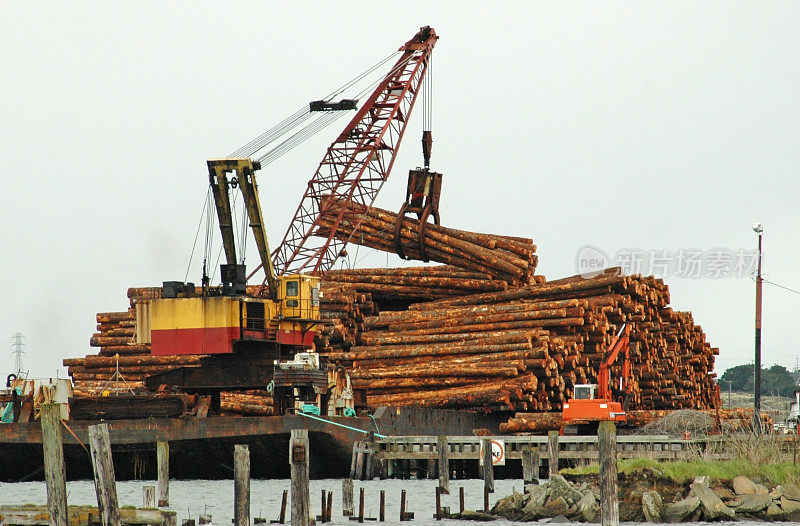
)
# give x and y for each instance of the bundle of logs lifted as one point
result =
(510, 259)
(525, 348)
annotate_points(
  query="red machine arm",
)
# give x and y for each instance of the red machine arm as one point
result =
(357, 163)
(619, 344)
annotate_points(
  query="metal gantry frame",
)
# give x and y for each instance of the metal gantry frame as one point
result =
(356, 165)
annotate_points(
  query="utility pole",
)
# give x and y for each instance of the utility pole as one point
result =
(759, 230)
(18, 349)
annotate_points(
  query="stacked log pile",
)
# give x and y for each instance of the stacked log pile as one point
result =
(342, 313)
(250, 403)
(414, 284)
(736, 419)
(525, 348)
(509, 259)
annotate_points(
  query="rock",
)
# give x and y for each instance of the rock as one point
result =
(678, 511)
(723, 492)
(534, 508)
(791, 491)
(789, 505)
(588, 508)
(773, 510)
(560, 487)
(510, 506)
(776, 493)
(750, 503)
(652, 505)
(712, 506)
(556, 506)
(559, 519)
(761, 489)
(702, 479)
(743, 485)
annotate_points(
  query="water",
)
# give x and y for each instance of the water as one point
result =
(193, 497)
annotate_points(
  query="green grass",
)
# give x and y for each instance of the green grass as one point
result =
(685, 471)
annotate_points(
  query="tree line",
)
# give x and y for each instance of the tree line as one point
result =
(775, 381)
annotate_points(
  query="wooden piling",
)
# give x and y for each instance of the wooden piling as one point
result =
(444, 464)
(148, 496)
(607, 453)
(104, 482)
(360, 504)
(530, 465)
(438, 514)
(241, 485)
(298, 457)
(430, 469)
(282, 514)
(322, 507)
(329, 507)
(382, 509)
(403, 515)
(552, 452)
(347, 497)
(54, 469)
(461, 499)
(488, 466)
(486, 499)
(162, 464)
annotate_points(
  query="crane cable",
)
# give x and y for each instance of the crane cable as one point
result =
(301, 115)
(282, 128)
(322, 121)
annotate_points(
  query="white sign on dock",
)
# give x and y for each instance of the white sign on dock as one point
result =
(498, 452)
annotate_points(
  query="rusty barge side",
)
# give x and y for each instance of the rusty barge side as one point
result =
(202, 447)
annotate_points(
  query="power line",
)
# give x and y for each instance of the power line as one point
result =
(780, 286)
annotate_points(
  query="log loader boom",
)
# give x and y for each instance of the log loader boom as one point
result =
(594, 403)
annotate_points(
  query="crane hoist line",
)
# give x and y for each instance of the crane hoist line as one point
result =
(263, 338)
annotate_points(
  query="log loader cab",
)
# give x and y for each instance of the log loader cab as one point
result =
(595, 403)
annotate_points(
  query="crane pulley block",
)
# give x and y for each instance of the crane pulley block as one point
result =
(325, 105)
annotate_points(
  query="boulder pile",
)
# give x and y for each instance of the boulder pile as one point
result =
(701, 501)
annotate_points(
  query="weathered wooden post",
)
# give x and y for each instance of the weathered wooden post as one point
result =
(607, 452)
(55, 473)
(403, 514)
(148, 496)
(360, 504)
(298, 457)
(241, 485)
(347, 497)
(104, 482)
(444, 464)
(552, 452)
(530, 465)
(488, 466)
(461, 499)
(162, 465)
(282, 514)
(382, 508)
(329, 507)
(322, 507)
(438, 514)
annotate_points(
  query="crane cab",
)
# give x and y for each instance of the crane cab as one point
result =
(298, 296)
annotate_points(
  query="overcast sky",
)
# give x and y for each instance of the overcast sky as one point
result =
(628, 127)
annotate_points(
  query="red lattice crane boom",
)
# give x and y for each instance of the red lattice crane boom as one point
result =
(357, 163)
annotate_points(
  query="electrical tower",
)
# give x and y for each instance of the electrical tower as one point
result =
(18, 349)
